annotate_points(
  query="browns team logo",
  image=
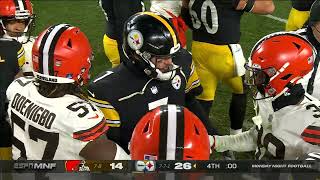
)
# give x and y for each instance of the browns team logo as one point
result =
(76, 166)
(135, 39)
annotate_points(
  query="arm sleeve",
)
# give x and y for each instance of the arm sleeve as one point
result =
(243, 142)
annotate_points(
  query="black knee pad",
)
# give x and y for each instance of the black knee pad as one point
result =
(206, 105)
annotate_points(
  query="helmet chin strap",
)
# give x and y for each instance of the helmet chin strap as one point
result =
(167, 75)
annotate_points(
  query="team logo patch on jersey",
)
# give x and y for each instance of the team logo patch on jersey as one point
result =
(154, 89)
(135, 39)
(176, 82)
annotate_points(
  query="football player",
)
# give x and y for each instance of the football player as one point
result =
(116, 13)
(217, 55)
(50, 116)
(155, 71)
(11, 59)
(310, 82)
(17, 22)
(169, 132)
(171, 10)
(299, 14)
(277, 64)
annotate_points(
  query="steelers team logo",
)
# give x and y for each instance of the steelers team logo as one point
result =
(135, 39)
(176, 82)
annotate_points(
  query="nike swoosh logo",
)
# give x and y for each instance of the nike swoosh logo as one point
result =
(94, 117)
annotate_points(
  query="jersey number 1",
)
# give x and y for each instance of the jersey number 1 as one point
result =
(51, 138)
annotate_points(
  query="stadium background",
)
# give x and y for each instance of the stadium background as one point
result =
(87, 15)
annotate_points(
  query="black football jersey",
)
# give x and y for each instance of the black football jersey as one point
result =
(302, 5)
(215, 21)
(117, 12)
(11, 59)
(124, 96)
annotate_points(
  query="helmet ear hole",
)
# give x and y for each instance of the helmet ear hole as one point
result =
(69, 43)
(297, 45)
(286, 77)
(146, 128)
(196, 129)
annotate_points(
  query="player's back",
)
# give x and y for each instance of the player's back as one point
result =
(50, 128)
(215, 21)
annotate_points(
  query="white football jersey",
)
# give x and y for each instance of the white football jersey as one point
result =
(289, 132)
(50, 128)
(167, 8)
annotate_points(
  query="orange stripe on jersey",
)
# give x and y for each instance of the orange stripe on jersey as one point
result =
(92, 133)
(315, 141)
(311, 134)
(311, 131)
(97, 134)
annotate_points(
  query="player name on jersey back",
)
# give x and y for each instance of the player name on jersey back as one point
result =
(33, 112)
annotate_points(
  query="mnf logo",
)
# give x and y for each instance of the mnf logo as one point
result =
(34, 166)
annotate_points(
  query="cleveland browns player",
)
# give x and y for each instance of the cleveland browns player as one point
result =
(217, 55)
(49, 114)
(156, 71)
(17, 22)
(116, 13)
(287, 124)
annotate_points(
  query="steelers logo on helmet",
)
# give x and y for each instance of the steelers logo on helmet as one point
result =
(135, 39)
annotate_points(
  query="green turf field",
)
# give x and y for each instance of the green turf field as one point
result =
(87, 15)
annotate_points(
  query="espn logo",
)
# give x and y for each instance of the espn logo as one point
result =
(145, 166)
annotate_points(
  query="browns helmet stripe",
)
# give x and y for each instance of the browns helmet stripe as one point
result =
(171, 135)
(20, 5)
(47, 46)
(24, 5)
(172, 131)
(180, 133)
(163, 132)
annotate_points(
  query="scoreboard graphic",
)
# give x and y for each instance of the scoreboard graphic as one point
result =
(150, 166)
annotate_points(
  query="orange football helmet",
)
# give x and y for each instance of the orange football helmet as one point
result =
(16, 10)
(278, 61)
(170, 132)
(62, 54)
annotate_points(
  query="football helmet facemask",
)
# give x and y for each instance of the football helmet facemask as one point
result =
(17, 10)
(148, 35)
(62, 54)
(170, 132)
(277, 62)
